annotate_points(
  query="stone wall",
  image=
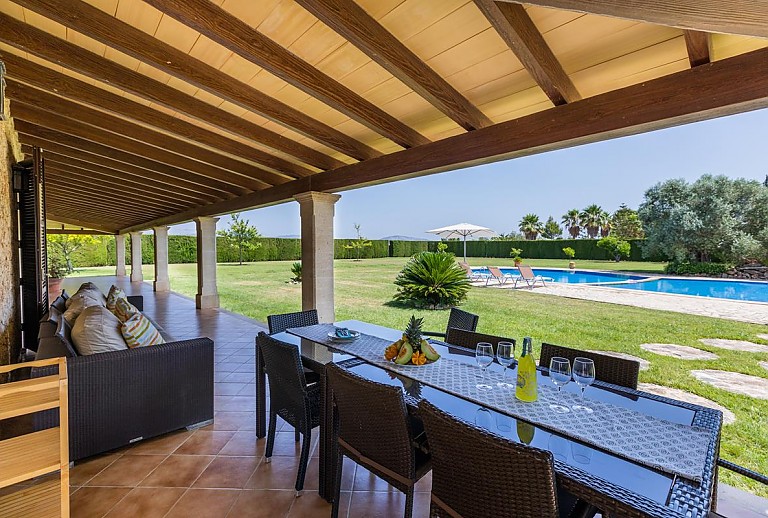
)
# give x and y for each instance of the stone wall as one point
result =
(10, 152)
(755, 273)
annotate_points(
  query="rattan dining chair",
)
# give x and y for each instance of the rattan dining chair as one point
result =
(283, 321)
(459, 319)
(290, 398)
(375, 431)
(470, 339)
(477, 474)
(609, 369)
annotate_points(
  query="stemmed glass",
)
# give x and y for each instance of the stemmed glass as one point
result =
(505, 353)
(560, 373)
(584, 376)
(484, 357)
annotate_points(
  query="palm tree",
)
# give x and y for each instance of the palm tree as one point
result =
(605, 224)
(591, 219)
(572, 222)
(530, 226)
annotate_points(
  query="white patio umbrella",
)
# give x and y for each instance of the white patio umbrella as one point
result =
(463, 230)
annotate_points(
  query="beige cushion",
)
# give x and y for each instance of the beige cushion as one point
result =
(114, 294)
(124, 310)
(138, 331)
(87, 289)
(97, 331)
(79, 302)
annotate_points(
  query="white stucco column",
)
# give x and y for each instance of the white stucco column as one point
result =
(162, 281)
(317, 211)
(120, 255)
(207, 292)
(136, 275)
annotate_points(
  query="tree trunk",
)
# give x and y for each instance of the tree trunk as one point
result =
(241, 256)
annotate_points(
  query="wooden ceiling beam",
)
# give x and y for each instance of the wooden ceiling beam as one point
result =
(219, 178)
(77, 232)
(80, 149)
(356, 26)
(60, 200)
(60, 52)
(114, 33)
(745, 17)
(113, 184)
(246, 175)
(699, 47)
(87, 154)
(110, 200)
(522, 36)
(83, 224)
(724, 87)
(68, 87)
(234, 34)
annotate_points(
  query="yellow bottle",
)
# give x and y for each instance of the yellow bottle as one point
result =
(527, 384)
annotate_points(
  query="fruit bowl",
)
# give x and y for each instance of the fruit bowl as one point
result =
(411, 349)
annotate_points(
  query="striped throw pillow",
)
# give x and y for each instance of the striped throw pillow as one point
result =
(114, 294)
(138, 331)
(124, 310)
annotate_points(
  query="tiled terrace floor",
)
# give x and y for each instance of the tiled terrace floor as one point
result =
(217, 471)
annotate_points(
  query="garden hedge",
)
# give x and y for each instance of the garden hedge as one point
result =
(183, 249)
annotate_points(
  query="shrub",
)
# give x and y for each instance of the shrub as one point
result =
(618, 248)
(569, 252)
(709, 269)
(296, 271)
(432, 280)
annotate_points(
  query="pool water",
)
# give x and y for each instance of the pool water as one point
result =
(755, 291)
(721, 289)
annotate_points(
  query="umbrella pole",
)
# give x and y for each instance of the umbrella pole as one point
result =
(465, 248)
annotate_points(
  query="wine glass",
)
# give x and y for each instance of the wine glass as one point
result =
(484, 357)
(505, 353)
(584, 376)
(560, 373)
(484, 418)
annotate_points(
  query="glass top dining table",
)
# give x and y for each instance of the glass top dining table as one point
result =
(588, 471)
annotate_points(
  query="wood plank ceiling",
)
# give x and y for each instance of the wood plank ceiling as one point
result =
(156, 111)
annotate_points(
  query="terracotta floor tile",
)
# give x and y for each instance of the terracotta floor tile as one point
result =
(367, 481)
(204, 503)
(84, 471)
(245, 443)
(310, 505)
(240, 377)
(262, 503)
(278, 474)
(94, 502)
(285, 443)
(227, 389)
(370, 504)
(165, 444)
(146, 502)
(178, 471)
(228, 472)
(128, 470)
(205, 442)
(230, 421)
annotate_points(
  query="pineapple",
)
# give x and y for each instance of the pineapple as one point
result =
(413, 332)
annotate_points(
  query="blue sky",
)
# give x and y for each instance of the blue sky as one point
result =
(498, 195)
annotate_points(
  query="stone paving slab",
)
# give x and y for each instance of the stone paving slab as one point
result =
(764, 365)
(660, 390)
(682, 352)
(753, 312)
(735, 345)
(734, 382)
(764, 337)
(644, 364)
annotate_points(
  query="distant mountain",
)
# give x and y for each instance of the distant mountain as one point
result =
(404, 238)
(289, 236)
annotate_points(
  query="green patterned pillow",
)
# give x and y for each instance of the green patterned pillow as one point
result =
(124, 310)
(114, 294)
(138, 331)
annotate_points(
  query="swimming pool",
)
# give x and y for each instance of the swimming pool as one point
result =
(574, 276)
(722, 289)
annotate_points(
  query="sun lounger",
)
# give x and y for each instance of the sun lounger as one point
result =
(499, 276)
(528, 277)
(471, 274)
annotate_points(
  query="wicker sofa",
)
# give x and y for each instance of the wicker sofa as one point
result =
(121, 397)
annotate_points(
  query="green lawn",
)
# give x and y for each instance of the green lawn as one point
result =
(364, 290)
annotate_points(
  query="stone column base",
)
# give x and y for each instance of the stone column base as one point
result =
(206, 301)
(162, 286)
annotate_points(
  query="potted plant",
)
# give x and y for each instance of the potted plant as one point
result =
(57, 270)
(570, 253)
(515, 254)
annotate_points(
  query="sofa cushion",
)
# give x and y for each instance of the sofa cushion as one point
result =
(64, 335)
(97, 330)
(114, 294)
(78, 302)
(60, 303)
(139, 331)
(124, 310)
(86, 289)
